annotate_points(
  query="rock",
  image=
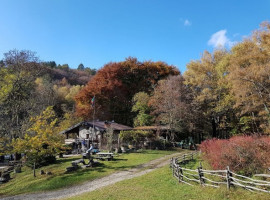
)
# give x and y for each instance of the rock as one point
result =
(70, 169)
(42, 172)
(17, 170)
(48, 173)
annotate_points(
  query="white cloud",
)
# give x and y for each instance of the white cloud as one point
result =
(187, 22)
(219, 39)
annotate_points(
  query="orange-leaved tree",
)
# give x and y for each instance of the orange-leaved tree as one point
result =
(115, 85)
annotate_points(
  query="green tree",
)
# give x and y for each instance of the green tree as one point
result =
(81, 67)
(91, 71)
(140, 106)
(51, 64)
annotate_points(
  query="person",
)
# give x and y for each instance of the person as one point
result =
(90, 149)
(83, 142)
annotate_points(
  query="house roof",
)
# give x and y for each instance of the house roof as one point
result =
(151, 128)
(99, 125)
(103, 125)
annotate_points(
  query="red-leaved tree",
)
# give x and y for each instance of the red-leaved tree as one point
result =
(114, 86)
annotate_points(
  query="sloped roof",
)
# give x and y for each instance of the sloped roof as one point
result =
(151, 128)
(72, 128)
(115, 126)
(99, 125)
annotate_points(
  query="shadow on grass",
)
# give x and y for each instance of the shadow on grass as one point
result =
(65, 160)
(160, 152)
(119, 159)
(192, 164)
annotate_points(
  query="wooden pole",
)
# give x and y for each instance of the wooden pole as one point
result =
(228, 178)
(173, 167)
(181, 171)
(94, 119)
(200, 174)
(178, 174)
(34, 172)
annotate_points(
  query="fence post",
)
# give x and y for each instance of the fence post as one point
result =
(228, 177)
(200, 174)
(173, 161)
(178, 174)
(181, 171)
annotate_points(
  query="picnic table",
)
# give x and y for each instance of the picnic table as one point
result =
(104, 156)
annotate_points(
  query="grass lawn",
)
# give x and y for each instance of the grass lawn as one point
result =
(160, 185)
(25, 182)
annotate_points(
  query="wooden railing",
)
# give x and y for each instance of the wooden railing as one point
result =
(215, 178)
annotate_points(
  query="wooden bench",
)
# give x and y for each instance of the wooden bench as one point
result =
(75, 165)
(77, 162)
(104, 156)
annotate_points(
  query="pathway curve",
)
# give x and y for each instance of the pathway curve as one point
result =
(97, 183)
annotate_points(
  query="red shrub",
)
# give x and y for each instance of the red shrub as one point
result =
(244, 154)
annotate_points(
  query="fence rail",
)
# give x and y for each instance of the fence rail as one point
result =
(215, 178)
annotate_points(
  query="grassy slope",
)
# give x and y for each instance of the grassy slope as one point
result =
(25, 182)
(160, 185)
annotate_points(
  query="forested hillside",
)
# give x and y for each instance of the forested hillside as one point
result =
(225, 92)
(29, 86)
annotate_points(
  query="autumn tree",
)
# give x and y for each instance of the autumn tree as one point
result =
(170, 103)
(17, 77)
(115, 85)
(249, 73)
(4, 146)
(207, 79)
(42, 141)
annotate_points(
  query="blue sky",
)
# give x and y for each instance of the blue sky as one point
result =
(100, 31)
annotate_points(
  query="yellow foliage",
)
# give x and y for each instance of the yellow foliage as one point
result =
(42, 138)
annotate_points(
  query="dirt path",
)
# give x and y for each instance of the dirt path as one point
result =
(98, 183)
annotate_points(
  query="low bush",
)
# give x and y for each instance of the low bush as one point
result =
(243, 154)
(40, 161)
(161, 144)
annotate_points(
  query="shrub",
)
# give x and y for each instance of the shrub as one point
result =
(161, 144)
(243, 154)
(40, 161)
(135, 136)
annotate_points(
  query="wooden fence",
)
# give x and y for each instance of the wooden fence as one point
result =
(215, 178)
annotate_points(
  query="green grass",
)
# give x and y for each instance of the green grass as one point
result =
(160, 185)
(25, 182)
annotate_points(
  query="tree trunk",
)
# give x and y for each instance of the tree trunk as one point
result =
(214, 128)
(34, 169)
